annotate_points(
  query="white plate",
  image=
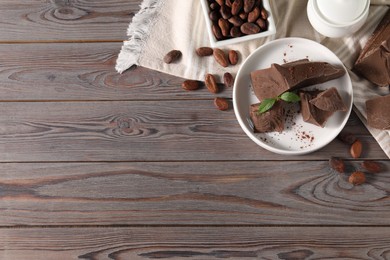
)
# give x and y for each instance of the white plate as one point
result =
(298, 137)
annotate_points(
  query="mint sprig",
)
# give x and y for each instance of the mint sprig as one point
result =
(268, 103)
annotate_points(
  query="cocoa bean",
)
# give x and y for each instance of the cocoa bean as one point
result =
(357, 178)
(221, 103)
(372, 167)
(190, 85)
(248, 5)
(225, 27)
(220, 2)
(250, 28)
(204, 51)
(220, 57)
(347, 137)
(211, 83)
(233, 57)
(214, 6)
(253, 15)
(236, 21)
(217, 32)
(225, 12)
(228, 80)
(172, 56)
(214, 16)
(356, 149)
(262, 24)
(235, 32)
(264, 14)
(243, 15)
(337, 164)
(229, 3)
(236, 6)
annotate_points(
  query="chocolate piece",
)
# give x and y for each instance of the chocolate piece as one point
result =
(269, 121)
(310, 113)
(374, 60)
(329, 100)
(273, 81)
(378, 112)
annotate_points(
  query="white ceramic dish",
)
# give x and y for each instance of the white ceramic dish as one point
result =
(215, 43)
(337, 18)
(299, 137)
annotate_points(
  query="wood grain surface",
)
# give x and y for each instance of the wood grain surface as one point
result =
(179, 130)
(99, 165)
(191, 193)
(195, 243)
(65, 20)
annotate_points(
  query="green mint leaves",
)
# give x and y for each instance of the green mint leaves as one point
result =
(268, 103)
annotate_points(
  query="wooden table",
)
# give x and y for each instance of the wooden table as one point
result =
(97, 165)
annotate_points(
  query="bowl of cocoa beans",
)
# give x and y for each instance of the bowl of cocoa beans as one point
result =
(234, 21)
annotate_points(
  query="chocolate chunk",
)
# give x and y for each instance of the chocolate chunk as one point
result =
(273, 81)
(329, 100)
(310, 113)
(270, 121)
(378, 112)
(373, 62)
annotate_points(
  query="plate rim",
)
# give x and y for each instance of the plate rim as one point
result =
(250, 134)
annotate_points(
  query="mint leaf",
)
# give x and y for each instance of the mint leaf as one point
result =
(289, 97)
(266, 105)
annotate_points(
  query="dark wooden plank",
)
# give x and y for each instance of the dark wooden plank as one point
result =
(234, 243)
(136, 131)
(190, 193)
(65, 20)
(82, 71)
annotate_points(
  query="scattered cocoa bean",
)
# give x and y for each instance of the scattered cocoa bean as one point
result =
(190, 85)
(372, 167)
(356, 149)
(337, 164)
(228, 80)
(220, 57)
(211, 83)
(250, 28)
(204, 51)
(347, 137)
(221, 103)
(357, 178)
(233, 57)
(172, 56)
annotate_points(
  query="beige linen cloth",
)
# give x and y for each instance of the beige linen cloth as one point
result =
(163, 25)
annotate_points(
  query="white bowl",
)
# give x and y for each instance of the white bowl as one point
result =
(215, 43)
(290, 141)
(337, 18)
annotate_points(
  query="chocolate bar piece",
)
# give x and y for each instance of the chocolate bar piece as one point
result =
(373, 62)
(269, 121)
(311, 113)
(378, 112)
(273, 81)
(329, 100)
